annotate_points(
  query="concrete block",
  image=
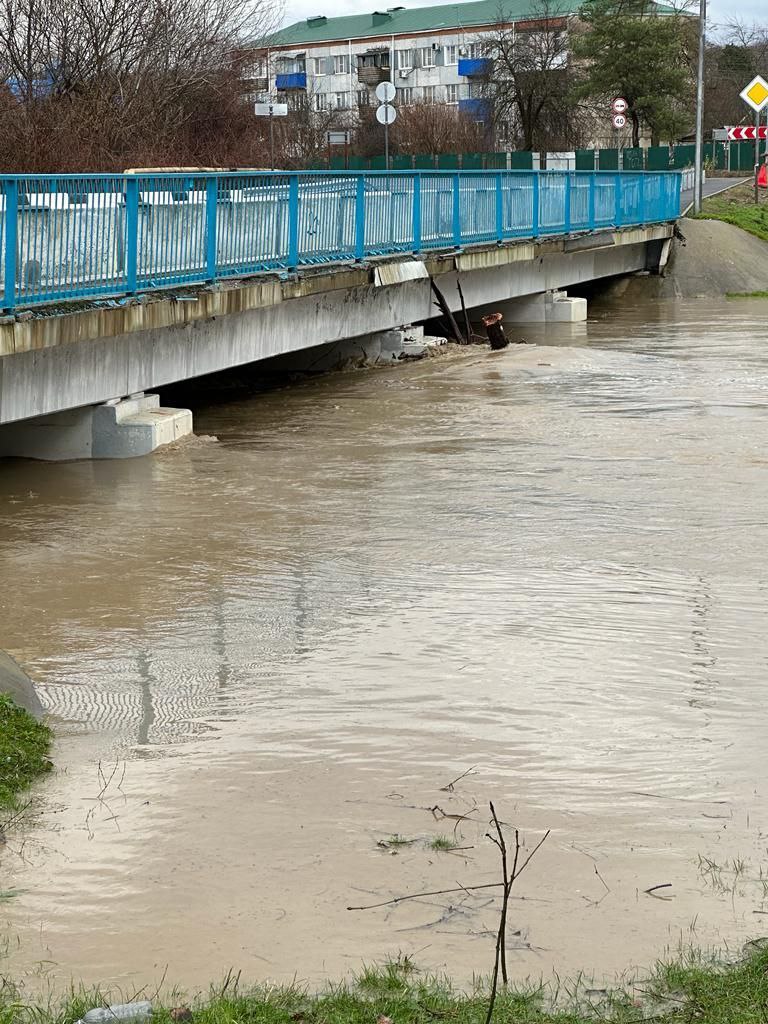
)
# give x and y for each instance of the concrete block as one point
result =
(546, 307)
(119, 429)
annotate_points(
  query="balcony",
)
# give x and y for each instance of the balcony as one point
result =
(474, 67)
(373, 67)
(294, 80)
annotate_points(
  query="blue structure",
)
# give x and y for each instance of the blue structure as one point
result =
(291, 80)
(69, 237)
(474, 67)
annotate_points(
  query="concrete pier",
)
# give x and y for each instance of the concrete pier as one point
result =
(118, 429)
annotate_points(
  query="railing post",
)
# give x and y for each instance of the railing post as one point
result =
(457, 211)
(360, 217)
(11, 190)
(417, 212)
(211, 221)
(567, 204)
(131, 233)
(535, 205)
(499, 207)
(617, 199)
(643, 216)
(293, 221)
(591, 202)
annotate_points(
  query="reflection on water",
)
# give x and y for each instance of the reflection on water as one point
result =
(548, 562)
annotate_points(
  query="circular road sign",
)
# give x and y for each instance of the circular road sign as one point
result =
(619, 105)
(385, 114)
(385, 92)
(619, 120)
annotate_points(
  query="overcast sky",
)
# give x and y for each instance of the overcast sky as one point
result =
(296, 10)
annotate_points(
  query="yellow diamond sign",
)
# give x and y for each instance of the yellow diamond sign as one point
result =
(756, 93)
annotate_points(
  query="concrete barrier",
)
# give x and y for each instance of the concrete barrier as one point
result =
(18, 684)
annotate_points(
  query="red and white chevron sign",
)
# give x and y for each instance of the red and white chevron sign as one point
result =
(748, 134)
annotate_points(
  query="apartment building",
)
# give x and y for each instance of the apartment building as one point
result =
(431, 54)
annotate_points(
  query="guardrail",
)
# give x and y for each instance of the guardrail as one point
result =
(70, 237)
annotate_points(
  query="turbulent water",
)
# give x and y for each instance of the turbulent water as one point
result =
(267, 655)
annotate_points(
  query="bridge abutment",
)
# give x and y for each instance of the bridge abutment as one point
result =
(118, 429)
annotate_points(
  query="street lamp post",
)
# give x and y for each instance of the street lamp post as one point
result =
(699, 160)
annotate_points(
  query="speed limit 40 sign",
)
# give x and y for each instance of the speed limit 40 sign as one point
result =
(619, 121)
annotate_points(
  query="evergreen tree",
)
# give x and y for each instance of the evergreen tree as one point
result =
(639, 50)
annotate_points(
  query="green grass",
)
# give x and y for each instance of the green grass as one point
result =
(737, 207)
(443, 843)
(396, 841)
(693, 990)
(746, 295)
(24, 744)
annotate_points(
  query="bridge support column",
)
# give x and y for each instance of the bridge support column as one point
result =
(119, 429)
(548, 307)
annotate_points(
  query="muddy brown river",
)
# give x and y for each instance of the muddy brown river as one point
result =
(266, 656)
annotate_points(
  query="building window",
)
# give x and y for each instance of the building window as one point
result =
(320, 101)
(341, 64)
(291, 65)
(339, 101)
(403, 59)
(427, 57)
(363, 98)
(405, 96)
(318, 65)
(451, 55)
(430, 93)
(451, 94)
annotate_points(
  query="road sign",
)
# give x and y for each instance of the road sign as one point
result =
(619, 105)
(270, 109)
(748, 133)
(385, 114)
(756, 93)
(385, 92)
(619, 121)
(337, 138)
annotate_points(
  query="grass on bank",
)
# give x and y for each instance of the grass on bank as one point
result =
(690, 990)
(24, 744)
(737, 206)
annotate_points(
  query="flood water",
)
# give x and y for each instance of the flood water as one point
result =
(267, 655)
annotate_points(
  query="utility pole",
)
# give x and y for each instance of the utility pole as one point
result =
(699, 159)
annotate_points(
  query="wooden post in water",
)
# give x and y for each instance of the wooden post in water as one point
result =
(494, 330)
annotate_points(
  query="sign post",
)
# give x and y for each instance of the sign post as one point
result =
(698, 160)
(271, 110)
(755, 95)
(619, 107)
(385, 114)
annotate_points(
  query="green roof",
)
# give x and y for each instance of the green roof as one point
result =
(408, 21)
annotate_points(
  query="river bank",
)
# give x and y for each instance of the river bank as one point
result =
(696, 987)
(24, 745)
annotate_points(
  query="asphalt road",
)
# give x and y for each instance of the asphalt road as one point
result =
(711, 187)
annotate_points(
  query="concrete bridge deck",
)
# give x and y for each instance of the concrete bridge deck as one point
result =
(191, 290)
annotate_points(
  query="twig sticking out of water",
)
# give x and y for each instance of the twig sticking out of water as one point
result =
(508, 880)
(450, 786)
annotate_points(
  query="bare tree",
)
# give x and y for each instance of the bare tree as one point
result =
(98, 84)
(529, 81)
(436, 128)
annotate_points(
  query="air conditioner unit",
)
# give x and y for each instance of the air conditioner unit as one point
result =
(404, 72)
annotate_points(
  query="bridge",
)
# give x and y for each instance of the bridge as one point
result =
(113, 285)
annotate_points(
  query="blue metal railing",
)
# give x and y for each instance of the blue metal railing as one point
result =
(69, 237)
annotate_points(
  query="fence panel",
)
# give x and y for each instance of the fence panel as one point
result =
(658, 158)
(585, 159)
(632, 159)
(608, 160)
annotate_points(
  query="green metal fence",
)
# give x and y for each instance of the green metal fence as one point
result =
(736, 156)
